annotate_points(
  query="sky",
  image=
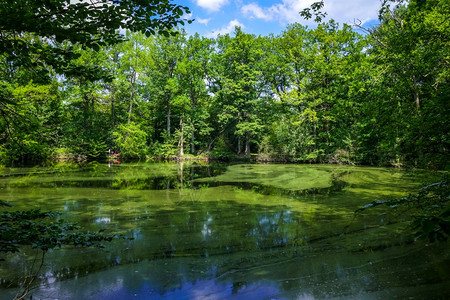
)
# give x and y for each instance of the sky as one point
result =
(263, 17)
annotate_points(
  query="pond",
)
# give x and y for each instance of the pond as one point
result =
(243, 231)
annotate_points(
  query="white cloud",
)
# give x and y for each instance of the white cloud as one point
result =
(203, 21)
(211, 5)
(348, 11)
(226, 29)
(287, 11)
(255, 11)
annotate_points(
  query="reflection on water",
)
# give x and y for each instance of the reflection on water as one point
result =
(240, 232)
(273, 276)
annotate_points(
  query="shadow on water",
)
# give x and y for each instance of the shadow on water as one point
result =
(336, 186)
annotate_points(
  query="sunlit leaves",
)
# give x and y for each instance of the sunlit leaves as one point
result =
(130, 140)
(92, 24)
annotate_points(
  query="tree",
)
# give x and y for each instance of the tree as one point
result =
(130, 140)
(64, 20)
(193, 72)
(163, 91)
(237, 85)
(319, 85)
(29, 122)
(411, 51)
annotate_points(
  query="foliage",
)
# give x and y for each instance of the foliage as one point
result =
(236, 83)
(429, 207)
(314, 10)
(40, 39)
(28, 121)
(43, 230)
(221, 150)
(130, 140)
(163, 150)
(64, 20)
(409, 109)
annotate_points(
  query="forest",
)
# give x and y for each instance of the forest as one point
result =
(335, 93)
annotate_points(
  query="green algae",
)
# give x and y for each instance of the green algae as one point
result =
(289, 177)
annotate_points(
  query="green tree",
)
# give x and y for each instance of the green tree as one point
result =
(237, 85)
(131, 141)
(193, 71)
(65, 20)
(319, 84)
(411, 51)
(163, 90)
(29, 122)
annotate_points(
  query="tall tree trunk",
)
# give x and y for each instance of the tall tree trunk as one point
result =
(239, 146)
(133, 87)
(168, 115)
(86, 110)
(130, 109)
(92, 109)
(193, 141)
(181, 142)
(417, 100)
(113, 99)
(193, 128)
(247, 145)
(415, 92)
(92, 104)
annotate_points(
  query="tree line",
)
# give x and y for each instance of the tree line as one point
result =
(375, 96)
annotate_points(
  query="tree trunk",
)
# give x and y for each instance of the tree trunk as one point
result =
(130, 109)
(239, 146)
(247, 145)
(133, 87)
(92, 104)
(181, 142)
(168, 115)
(86, 110)
(112, 107)
(193, 142)
(416, 93)
(417, 100)
(193, 128)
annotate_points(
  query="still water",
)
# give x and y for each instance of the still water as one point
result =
(241, 231)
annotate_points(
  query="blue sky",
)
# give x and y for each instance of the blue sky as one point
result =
(262, 17)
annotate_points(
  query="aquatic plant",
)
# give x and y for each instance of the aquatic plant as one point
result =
(43, 231)
(428, 207)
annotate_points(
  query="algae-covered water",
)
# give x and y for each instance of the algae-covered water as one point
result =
(242, 231)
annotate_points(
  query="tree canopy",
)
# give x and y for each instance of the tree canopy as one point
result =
(32, 32)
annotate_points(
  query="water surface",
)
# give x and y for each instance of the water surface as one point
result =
(268, 231)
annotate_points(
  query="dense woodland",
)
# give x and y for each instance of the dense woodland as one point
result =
(334, 93)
